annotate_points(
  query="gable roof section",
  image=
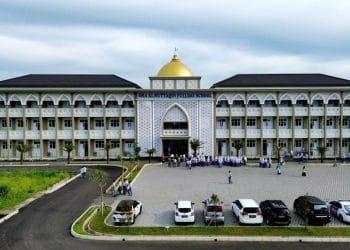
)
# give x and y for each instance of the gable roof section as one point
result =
(67, 81)
(281, 80)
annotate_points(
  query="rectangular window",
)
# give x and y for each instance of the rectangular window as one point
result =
(4, 145)
(128, 123)
(52, 123)
(114, 123)
(99, 144)
(298, 143)
(329, 122)
(251, 122)
(3, 123)
(236, 122)
(67, 123)
(67, 143)
(298, 122)
(36, 124)
(115, 144)
(345, 143)
(52, 144)
(282, 122)
(19, 123)
(282, 144)
(345, 122)
(251, 143)
(329, 144)
(99, 123)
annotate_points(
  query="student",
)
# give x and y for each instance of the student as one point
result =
(114, 191)
(229, 177)
(303, 173)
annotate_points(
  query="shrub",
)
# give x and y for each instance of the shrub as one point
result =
(4, 190)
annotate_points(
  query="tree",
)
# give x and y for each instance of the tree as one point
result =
(150, 153)
(23, 148)
(69, 147)
(107, 147)
(238, 145)
(98, 177)
(195, 145)
(137, 150)
(322, 149)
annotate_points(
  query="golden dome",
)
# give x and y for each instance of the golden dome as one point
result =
(175, 68)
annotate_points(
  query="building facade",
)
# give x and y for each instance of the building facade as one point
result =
(297, 112)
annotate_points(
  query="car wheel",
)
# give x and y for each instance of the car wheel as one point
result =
(268, 222)
(341, 218)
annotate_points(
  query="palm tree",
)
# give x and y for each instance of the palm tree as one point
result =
(69, 147)
(322, 149)
(238, 145)
(195, 145)
(150, 153)
(23, 148)
(107, 147)
(99, 177)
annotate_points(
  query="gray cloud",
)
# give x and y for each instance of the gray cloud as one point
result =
(216, 39)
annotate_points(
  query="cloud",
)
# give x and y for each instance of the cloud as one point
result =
(134, 39)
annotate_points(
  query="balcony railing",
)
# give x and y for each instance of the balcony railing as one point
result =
(317, 111)
(301, 111)
(175, 132)
(112, 112)
(222, 111)
(332, 133)
(222, 133)
(48, 134)
(128, 112)
(80, 134)
(128, 134)
(238, 111)
(269, 133)
(64, 112)
(80, 112)
(346, 110)
(285, 133)
(15, 112)
(346, 133)
(2, 112)
(96, 112)
(66, 134)
(333, 111)
(316, 133)
(3, 135)
(285, 111)
(16, 134)
(253, 133)
(97, 134)
(112, 134)
(33, 134)
(300, 133)
(48, 112)
(32, 112)
(269, 111)
(253, 111)
(237, 133)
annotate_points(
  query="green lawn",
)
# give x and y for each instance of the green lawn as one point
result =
(21, 185)
(97, 224)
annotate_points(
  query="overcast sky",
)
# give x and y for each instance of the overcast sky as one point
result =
(134, 39)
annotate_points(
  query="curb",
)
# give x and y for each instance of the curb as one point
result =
(50, 190)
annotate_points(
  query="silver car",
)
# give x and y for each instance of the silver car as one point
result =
(213, 212)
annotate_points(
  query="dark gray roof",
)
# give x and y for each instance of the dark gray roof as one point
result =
(282, 80)
(67, 81)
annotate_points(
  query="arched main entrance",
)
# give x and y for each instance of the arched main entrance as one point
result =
(175, 133)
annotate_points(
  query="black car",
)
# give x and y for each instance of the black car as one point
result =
(275, 212)
(312, 209)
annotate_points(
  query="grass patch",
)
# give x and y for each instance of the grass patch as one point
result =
(24, 184)
(97, 224)
(78, 226)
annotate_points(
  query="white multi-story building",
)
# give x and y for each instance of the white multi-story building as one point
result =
(299, 112)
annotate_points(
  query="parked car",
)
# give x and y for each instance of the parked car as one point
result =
(312, 209)
(247, 211)
(184, 212)
(127, 211)
(275, 212)
(213, 212)
(340, 209)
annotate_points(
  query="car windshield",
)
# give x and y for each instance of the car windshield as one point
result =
(251, 210)
(124, 207)
(282, 211)
(214, 209)
(347, 207)
(321, 208)
(184, 210)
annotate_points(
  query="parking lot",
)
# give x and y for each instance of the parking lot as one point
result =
(158, 187)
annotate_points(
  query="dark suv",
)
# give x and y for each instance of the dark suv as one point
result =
(312, 209)
(275, 212)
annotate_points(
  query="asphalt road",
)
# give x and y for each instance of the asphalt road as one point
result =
(45, 224)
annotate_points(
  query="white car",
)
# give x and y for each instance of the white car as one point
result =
(184, 212)
(247, 211)
(340, 209)
(127, 211)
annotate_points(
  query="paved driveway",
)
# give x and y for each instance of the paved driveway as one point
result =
(158, 187)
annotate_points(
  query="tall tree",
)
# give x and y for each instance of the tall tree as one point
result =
(99, 178)
(322, 149)
(150, 153)
(23, 148)
(238, 145)
(107, 147)
(69, 147)
(195, 145)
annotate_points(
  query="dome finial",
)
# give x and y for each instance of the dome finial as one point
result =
(175, 53)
